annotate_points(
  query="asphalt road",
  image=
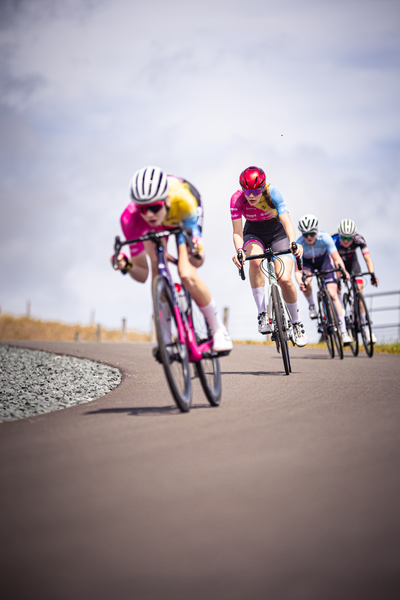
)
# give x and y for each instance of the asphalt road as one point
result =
(289, 490)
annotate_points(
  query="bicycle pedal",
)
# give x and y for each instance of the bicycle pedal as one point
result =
(157, 356)
(223, 353)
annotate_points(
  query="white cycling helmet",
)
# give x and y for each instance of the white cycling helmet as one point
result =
(308, 223)
(347, 228)
(148, 185)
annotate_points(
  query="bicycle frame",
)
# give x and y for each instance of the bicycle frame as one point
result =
(273, 281)
(328, 322)
(268, 255)
(356, 298)
(184, 321)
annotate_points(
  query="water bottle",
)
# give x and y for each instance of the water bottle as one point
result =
(182, 300)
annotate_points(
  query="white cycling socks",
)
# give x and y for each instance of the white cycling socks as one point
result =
(310, 300)
(259, 297)
(212, 317)
(294, 311)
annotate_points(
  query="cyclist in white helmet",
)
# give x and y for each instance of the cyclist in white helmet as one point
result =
(161, 201)
(320, 252)
(347, 240)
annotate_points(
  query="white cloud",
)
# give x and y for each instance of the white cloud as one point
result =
(92, 91)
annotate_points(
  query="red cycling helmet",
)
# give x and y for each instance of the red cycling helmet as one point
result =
(252, 178)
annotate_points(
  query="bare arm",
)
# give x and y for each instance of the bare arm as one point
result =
(139, 269)
(238, 239)
(338, 261)
(290, 232)
(370, 266)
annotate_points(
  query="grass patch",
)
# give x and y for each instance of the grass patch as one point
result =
(23, 328)
(389, 348)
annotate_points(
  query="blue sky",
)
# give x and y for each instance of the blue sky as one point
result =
(92, 90)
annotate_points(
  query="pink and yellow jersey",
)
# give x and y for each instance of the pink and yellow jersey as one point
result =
(185, 208)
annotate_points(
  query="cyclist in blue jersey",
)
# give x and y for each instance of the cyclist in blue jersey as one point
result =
(347, 240)
(320, 253)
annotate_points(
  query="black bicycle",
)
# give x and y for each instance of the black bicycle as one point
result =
(354, 306)
(182, 332)
(279, 316)
(328, 321)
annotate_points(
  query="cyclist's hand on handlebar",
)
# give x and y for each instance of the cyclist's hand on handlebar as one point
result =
(236, 260)
(197, 245)
(296, 249)
(123, 263)
(374, 280)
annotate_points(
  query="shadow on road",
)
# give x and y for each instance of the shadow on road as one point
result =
(255, 373)
(145, 411)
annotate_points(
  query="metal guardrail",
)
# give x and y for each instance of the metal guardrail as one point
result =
(385, 308)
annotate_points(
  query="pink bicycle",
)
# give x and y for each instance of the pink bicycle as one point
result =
(182, 332)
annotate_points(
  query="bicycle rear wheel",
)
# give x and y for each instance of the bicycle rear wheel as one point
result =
(326, 331)
(279, 332)
(207, 368)
(334, 326)
(173, 353)
(365, 328)
(348, 304)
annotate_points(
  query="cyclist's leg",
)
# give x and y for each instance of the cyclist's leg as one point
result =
(332, 289)
(252, 245)
(202, 296)
(284, 269)
(307, 289)
(140, 268)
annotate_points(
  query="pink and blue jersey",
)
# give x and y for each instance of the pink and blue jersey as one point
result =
(261, 211)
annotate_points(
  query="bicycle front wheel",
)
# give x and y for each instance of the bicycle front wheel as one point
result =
(207, 368)
(348, 305)
(324, 324)
(173, 353)
(334, 326)
(279, 332)
(365, 328)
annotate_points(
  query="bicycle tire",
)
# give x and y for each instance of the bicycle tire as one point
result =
(277, 319)
(208, 368)
(351, 325)
(324, 323)
(367, 339)
(334, 325)
(174, 355)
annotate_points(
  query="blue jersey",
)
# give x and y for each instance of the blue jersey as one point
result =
(323, 244)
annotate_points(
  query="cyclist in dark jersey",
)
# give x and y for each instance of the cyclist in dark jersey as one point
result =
(347, 240)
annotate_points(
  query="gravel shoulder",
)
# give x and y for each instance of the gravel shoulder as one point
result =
(34, 382)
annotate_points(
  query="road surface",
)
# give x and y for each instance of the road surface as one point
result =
(289, 490)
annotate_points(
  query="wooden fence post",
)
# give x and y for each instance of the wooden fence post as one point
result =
(123, 332)
(153, 337)
(226, 315)
(98, 333)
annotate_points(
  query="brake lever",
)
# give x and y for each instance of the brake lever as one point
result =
(241, 270)
(298, 259)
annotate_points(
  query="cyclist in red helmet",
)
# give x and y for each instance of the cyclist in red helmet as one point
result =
(267, 223)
